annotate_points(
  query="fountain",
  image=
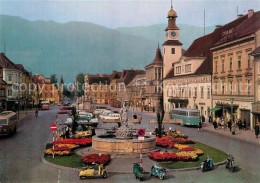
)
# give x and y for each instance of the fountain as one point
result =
(124, 141)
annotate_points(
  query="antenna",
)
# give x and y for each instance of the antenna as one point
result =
(204, 22)
(237, 10)
(171, 4)
(158, 44)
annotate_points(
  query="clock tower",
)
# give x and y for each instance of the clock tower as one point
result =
(172, 45)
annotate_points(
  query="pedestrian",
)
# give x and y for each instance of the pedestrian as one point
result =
(67, 133)
(215, 124)
(223, 124)
(233, 129)
(210, 119)
(203, 119)
(244, 124)
(239, 124)
(229, 125)
(200, 126)
(257, 130)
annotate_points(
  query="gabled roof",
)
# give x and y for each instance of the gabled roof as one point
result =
(201, 47)
(6, 63)
(247, 26)
(115, 75)
(128, 75)
(98, 79)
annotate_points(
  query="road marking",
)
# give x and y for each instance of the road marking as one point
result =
(59, 177)
(252, 172)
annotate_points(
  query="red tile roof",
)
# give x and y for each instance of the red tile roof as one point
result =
(128, 75)
(256, 51)
(158, 60)
(115, 75)
(98, 79)
(6, 63)
(246, 27)
(201, 47)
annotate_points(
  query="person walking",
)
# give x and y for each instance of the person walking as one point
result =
(200, 126)
(229, 125)
(210, 119)
(239, 124)
(215, 124)
(257, 130)
(233, 129)
(244, 124)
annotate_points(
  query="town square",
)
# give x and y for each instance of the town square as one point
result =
(130, 91)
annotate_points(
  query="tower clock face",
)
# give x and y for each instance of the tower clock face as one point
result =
(173, 34)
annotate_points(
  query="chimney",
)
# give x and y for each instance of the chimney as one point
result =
(218, 26)
(239, 16)
(250, 13)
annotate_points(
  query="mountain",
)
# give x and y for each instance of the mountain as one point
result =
(47, 47)
(156, 32)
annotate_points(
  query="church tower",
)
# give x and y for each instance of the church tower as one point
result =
(172, 45)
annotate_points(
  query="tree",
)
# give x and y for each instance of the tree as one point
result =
(54, 80)
(80, 82)
(74, 117)
(160, 115)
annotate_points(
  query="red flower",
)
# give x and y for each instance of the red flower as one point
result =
(95, 158)
(188, 149)
(83, 142)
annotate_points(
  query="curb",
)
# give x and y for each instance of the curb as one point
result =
(238, 139)
(116, 172)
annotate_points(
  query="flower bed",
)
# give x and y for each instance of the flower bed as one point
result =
(169, 141)
(71, 146)
(166, 156)
(81, 142)
(96, 158)
(57, 152)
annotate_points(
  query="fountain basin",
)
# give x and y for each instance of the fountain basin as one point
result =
(111, 144)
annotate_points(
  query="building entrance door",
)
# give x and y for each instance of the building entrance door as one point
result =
(245, 114)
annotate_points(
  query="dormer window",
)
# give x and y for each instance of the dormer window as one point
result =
(188, 68)
(178, 70)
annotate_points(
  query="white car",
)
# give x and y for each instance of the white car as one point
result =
(83, 113)
(112, 116)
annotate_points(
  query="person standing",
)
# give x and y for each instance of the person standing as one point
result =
(229, 125)
(239, 124)
(200, 126)
(257, 130)
(215, 124)
(210, 119)
(233, 129)
(244, 124)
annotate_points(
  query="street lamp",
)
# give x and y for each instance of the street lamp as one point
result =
(232, 100)
(194, 99)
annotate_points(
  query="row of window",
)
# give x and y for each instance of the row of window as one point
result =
(158, 73)
(182, 92)
(187, 69)
(230, 60)
(230, 88)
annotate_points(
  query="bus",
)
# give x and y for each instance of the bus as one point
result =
(186, 116)
(8, 123)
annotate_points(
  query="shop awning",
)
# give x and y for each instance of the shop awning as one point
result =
(215, 109)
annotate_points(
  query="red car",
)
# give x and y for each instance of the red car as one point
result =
(45, 107)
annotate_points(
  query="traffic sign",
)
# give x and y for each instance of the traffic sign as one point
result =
(141, 132)
(53, 127)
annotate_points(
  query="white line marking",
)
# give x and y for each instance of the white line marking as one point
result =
(252, 172)
(59, 177)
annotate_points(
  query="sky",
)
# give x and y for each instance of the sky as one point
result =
(128, 13)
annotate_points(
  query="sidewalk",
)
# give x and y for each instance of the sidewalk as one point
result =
(242, 135)
(22, 114)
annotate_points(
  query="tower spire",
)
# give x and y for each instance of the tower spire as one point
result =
(171, 4)
(158, 45)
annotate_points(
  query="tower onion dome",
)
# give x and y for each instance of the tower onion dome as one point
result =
(172, 13)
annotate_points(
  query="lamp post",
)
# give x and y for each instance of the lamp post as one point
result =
(194, 99)
(232, 100)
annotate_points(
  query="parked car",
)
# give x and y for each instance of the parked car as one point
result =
(45, 105)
